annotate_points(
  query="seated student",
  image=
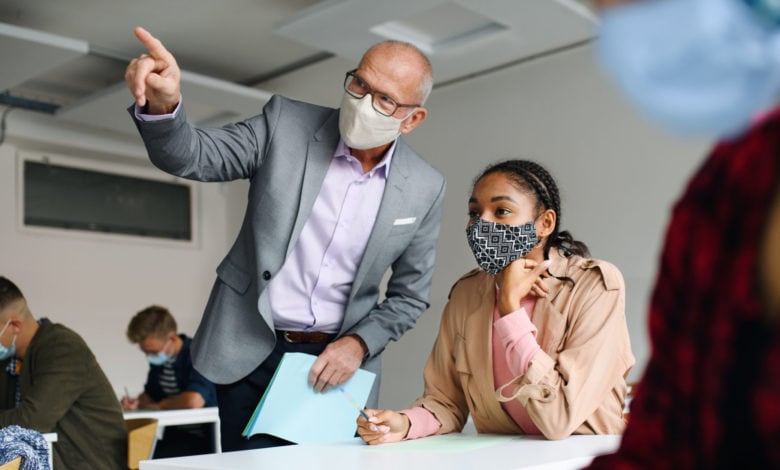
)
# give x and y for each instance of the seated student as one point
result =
(172, 382)
(51, 382)
(534, 342)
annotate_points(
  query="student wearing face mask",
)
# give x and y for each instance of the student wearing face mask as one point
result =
(336, 199)
(534, 341)
(51, 382)
(172, 381)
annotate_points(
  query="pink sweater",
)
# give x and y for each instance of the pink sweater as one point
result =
(514, 344)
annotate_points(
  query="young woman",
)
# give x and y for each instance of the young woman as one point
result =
(534, 342)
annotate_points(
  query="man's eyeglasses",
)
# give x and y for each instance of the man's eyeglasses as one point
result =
(383, 104)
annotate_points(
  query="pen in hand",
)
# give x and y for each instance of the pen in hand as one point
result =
(354, 403)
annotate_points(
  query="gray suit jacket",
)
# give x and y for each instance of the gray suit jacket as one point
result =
(285, 153)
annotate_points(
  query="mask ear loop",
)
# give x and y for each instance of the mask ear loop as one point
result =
(13, 340)
(165, 346)
(500, 391)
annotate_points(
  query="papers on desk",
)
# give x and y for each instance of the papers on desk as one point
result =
(453, 442)
(292, 410)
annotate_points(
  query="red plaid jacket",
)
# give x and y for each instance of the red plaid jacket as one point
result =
(710, 396)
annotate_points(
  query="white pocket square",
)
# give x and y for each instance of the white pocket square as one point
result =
(406, 221)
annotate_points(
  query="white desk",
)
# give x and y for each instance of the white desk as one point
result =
(185, 416)
(448, 452)
(51, 437)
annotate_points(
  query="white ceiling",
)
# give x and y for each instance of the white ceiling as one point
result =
(68, 56)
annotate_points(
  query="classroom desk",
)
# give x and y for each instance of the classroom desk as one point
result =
(186, 416)
(50, 437)
(448, 452)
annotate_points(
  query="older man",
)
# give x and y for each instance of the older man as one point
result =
(336, 199)
(51, 382)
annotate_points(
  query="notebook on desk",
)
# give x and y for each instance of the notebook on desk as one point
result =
(292, 410)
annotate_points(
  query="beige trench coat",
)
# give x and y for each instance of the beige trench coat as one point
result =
(574, 385)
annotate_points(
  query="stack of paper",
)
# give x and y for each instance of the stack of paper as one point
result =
(292, 410)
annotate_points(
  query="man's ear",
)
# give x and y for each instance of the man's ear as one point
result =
(15, 324)
(415, 119)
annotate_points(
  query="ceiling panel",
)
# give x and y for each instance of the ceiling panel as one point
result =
(208, 101)
(461, 37)
(68, 58)
(27, 53)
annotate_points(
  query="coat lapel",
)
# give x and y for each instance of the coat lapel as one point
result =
(318, 157)
(549, 320)
(393, 203)
(478, 326)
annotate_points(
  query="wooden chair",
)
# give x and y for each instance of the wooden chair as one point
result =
(13, 464)
(141, 438)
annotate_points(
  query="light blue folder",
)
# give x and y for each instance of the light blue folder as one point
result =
(292, 410)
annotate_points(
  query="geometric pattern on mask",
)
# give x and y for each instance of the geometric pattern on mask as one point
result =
(496, 245)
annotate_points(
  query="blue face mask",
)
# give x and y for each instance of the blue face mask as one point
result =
(769, 10)
(7, 352)
(161, 357)
(694, 66)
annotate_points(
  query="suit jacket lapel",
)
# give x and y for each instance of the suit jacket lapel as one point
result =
(318, 158)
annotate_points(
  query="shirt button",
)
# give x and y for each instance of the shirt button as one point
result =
(266, 275)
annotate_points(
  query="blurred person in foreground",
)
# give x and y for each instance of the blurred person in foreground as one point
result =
(710, 395)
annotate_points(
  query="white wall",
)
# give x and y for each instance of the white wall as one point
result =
(618, 177)
(95, 284)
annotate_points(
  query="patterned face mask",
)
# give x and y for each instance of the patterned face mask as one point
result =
(496, 245)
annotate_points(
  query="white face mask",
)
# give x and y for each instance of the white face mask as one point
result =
(362, 127)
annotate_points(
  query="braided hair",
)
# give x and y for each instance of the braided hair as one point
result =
(531, 178)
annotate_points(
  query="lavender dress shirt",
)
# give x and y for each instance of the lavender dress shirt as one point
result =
(310, 292)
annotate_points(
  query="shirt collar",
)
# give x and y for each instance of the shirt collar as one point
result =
(382, 168)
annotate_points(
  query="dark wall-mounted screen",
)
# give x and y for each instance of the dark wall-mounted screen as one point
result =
(78, 199)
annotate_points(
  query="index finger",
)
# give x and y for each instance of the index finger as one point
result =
(316, 370)
(542, 267)
(153, 45)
